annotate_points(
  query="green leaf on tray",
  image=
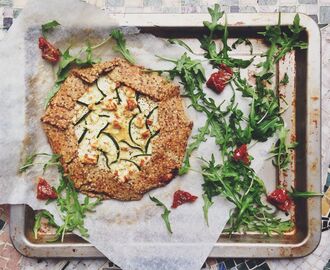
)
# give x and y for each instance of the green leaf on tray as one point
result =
(166, 213)
(120, 47)
(49, 26)
(207, 204)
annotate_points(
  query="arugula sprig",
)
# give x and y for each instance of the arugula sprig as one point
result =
(197, 140)
(182, 44)
(208, 44)
(285, 79)
(120, 47)
(281, 150)
(49, 26)
(37, 221)
(72, 210)
(281, 42)
(166, 213)
(54, 160)
(241, 41)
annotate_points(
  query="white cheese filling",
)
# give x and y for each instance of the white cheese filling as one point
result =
(115, 127)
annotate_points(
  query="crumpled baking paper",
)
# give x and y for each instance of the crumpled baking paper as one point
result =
(130, 234)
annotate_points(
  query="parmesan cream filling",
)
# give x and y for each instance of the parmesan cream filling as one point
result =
(115, 127)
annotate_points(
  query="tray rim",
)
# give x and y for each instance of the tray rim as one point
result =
(313, 146)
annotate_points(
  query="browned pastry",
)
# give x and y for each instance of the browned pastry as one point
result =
(121, 131)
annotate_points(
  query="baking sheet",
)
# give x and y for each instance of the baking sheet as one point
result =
(167, 249)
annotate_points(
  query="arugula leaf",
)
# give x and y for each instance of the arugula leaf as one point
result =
(198, 139)
(49, 26)
(30, 161)
(304, 194)
(216, 15)
(281, 42)
(208, 44)
(37, 221)
(181, 43)
(166, 213)
(53, 161)
(281, 150)
(120, 47)
(285, 79)
(207, 204)
(241, 41)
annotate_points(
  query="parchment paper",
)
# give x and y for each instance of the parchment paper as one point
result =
(131, 234)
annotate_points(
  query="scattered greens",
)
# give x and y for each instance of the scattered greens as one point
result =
(280, 151)
(285, 79)
(166, 213)
(208, 44)
(72, 210)
(241, 41)
(206, 206)
(118, 36)
(37, 221)
(49, 26)
(54, 160)
(303, 194)
(235, 181)
(181, 43)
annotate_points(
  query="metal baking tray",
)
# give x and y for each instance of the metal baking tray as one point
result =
(302, 117)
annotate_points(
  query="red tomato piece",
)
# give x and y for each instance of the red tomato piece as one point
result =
(218, 80)
(280, 199)
(241, 154)
(45, 191)
(49, 52)
(180, 197)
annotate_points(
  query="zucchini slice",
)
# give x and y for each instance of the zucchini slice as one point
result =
(137, 95)
(82, 118)
(152, 115)
(112, 159)
(82, 136)
(82, 103)
(131, 146)
(106, 158)
(128, 150)
(138, 158)
(118, 96)
(92, 96)
(98, 135)
(103, 85)
(149, 141)
(131, 161)
(131, 132)
(142, 155)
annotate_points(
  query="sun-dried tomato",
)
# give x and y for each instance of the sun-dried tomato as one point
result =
(181, 197)
(241, 154)
(45, 191)
(218, 80)
(49, 52)
(280, 199)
